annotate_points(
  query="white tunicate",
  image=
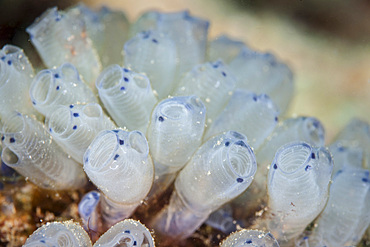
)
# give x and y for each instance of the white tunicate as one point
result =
(59, 234)
(127, 96)
(263, 73)
(60, 86)
(212, 83)
(252, 238)
(61, 37)
(118, 163)
(220, 170)
(298, 184)
(155, 55)
(74, 127)
(128, 233)
(107, 29)
(88, 210)
(224, 48)
(188, 33)
(252, 115)
(346, 216)
(16, 74)
(174, 134)
(31, 151)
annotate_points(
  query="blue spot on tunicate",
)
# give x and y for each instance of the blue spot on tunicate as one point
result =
(248, 241)
(305, 238)
(313, 156)
(307, 167)
(224, 74)
(316, 124)
(122, 88)
(86, 160)
(341, 149)
(155, 41)
(116, 131)
(255, 98)
(215, 65)
(76, 114)
(2, 138)
(9, 62)
(126, 70)
(121, 142)
(56, 75)
(275, 166)
(134, 244)
(57, 19)
(116, 157)
(276, 119)
(12, 140)
(227, 144)
(50, 130)
(146, 35)
(57, 87)
(126, 79)
(240, 143)
(127, 231)
(42, 241)
(74, 127)
(365, 180)
(239, 180)
(160, 119)
(33, 102)
(71, 106)
(3, 58)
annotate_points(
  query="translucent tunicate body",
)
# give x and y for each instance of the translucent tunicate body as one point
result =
(74, 127)
(347, 215)
(212, 83)
(174, 134)
(61, 86)
(263, 73)
(16, 74)
(224, 48)
(253, 115)
(118, 163)
(298, 188)
(31, 151)
(252, 238)
(107, 29)
(222, 219)
(128, 232)
(155, 55)
(220, 170)
(127, 96)
(88, 210)
(59, 234)
(188, 33)
(61, 37)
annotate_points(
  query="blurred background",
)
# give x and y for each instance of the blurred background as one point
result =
(326, 43)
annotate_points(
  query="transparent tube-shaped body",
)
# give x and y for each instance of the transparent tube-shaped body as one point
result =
(174, 134)
(263, 73)
(212, 83)
(118, 163)
(128, 232)
(155, 55)
(298, 188)
(220, 170)
(88, 210)
(224, 48)
(61, 86)
(16, 74)
(61, 37)
(222, 220)
(59, 234)
(189, 34)
(347, 215)
(250, 238)
(256, 116)
(107, 29)
(127, 96)
(74, 127)
(351, 157)
(31, 151)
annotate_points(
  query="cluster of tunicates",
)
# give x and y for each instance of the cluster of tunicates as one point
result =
(155, 110)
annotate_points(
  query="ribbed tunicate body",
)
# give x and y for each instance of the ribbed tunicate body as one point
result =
(59, 234)
(127, 96)
(155, 55)
(252, 238)
(129, 232)
(263, 73)
(74, 127)
(60, 86)
(220, 170)
(212, 83)
(298, 184)
(256, 116)
(16, 75)
(31, 151)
